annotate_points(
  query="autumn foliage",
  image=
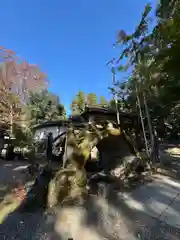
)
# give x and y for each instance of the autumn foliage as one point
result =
(17, 79)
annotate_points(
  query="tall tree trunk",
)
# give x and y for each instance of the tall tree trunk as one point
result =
(115, 96)
(117, 110)
(149, 126)
(142, 122)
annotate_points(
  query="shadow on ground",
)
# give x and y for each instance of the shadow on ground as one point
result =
(129, 215)
(113, 214)
(137, 213)
(29, 220)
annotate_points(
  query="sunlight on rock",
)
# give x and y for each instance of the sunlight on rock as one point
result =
(20, 168)
(94, 154)
(114, 131)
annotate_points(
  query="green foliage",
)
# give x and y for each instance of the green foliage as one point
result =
(44, 106)
(78, 104)
(103, 101)
(112, 104)
(23, 137)
(92, 99)
(81, 99)
(153, 58)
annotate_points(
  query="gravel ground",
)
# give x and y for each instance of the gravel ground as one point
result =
(27, 226)
(104, 221)
(99, 218)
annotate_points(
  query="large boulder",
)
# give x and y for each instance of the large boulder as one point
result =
(113, 149)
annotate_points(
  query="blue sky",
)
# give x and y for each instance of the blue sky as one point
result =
(71, 40)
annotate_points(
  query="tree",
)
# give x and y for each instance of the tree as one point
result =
(153, 58)
(78, 103)
(92, 99)
(103, 101)
(44, 106)
(17, 78)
